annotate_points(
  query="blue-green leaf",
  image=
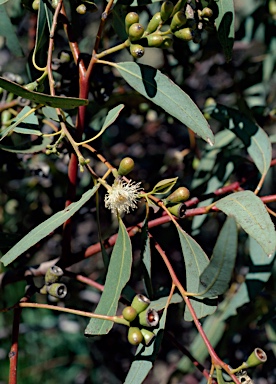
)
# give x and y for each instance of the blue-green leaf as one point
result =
(225, 24)
(43, 229)
(118, 274)
(215, 278)
(249, 211)
(159, 89)
(7, 30)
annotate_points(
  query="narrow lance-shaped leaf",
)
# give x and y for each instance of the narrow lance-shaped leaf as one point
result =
(41, 98)
(215, 278)
(159, 89)
(253, 137)
(8, 31)
(195, 262)
(118, 274)
(249, 211)
(43, 229)
(225, 24)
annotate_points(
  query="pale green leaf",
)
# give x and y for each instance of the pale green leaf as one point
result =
(159, 89)
(146, 355)
(43, 229)
(250, 212)
(26, 131)
(215, 278)
(257, 254)
(225, 24)
(164, 186)
(195, 262)
(160, 304)
(28, 119)
(118, 274)
(41, 98)
(253, 137)
(28, 146)
(112, 116)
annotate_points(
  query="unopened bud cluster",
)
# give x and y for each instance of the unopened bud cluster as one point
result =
(52, 285)
(141, 318)
(185, 23)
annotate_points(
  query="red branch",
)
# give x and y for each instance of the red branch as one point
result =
(13, 355)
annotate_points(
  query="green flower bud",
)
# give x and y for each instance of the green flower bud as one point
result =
(35, 5)
(178, 21)
(179, 195)
(134, 336)
(206, 12)
(53, 274)
(126, 166)
(129, 313)
(178, 6)
(43, 290)
(135, 32)
(178, 210)
(166, 10)
(65, 57)
(155, 40)
(149, 318)
(167, 42)
(81, 9)
(184, 34)
(54, 3)
(154, 23)
(148, 336)
(257, 357)
(57, 290)
(31, 86)
(137, 50)
(131, 18)
(140, 303)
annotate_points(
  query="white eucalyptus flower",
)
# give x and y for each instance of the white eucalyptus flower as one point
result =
(122, 196)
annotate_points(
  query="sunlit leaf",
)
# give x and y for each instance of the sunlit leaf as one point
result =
(253, 137)
(118, 274)
(215, 278)
(164, 186)
(249, 211)
(41, 98)
(195, 262)
(43, 229)
(159, 89)
(225, 24)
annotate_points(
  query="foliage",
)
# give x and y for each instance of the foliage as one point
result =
(137, 172)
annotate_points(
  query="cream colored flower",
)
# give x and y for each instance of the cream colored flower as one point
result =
(122, 196)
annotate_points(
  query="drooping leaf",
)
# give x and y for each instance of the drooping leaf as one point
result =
(146, 258)
(249, 211)
(7, 30)
(253, 137)
(195, 262)
(112, 116)
(49, 225)
(146, 355)
(118, 274)
(215, 278)
(41, 98)
(225, 24)
(160, 304)
(159, 89)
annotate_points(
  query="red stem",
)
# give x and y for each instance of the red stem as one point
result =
(13, 355)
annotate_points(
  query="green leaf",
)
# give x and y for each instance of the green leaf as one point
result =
(28, 146)
(195, 262)
(249, 211)
(118, 274)
(253, 137)
(112, 116)
(216, 277)
(26, 131)
(146, 355)
(164, 186)
(40, 98)
(225, 24)
(159, 89)
(49, 225)
(257, 254)
(146, 258)
(161, 303)
(7, 30)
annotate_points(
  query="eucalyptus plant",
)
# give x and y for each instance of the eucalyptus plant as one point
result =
(63, 108)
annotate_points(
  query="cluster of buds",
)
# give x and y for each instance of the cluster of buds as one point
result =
(185, 23)
(52, 285)
(175, 202)
(141, 318)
